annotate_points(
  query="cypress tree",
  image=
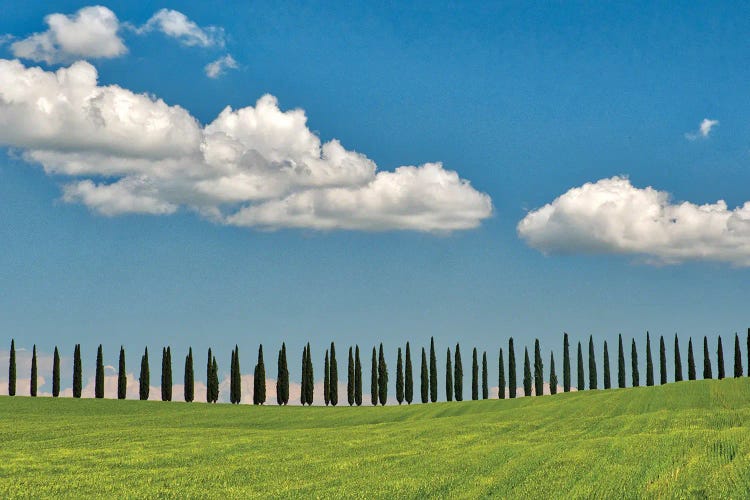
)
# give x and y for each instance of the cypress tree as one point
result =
(526, 373)
(662, 361)
(382, 377)
(99, 380)
(458, 375)
(399, 378)
(677, 360)
(374, 378)
(620, 363)
(552, 374)
(326, 380)
(748, 352)
(33, 381)
(737, 357)
(166, 376)
(485, 387)
(350, 378)
(56, 374)
(282, 379)
(691, 360)
(511, 370)
(12, 369)
(634, 364)
(303, 382)
(310, 377)
(358, 377)
(333, 378)
(706, 360)
(143, 380)
(259, 379)
(501, 376)
(538, 370)
(425, 379)
(408, 377)
(209, 385)
(122, 376)
(433, 372)
(279, 381)
(474, 376)
(607, 379)
(720, 359)
(649, 362)
(233, 377)
(581, 374)
(77, 371)
(169, 374)
(566, 363)
(215, 380)
(189, 377)
(448, 376)
(238, 376)
(593, 382)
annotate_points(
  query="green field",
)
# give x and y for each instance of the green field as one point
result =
(685, 439)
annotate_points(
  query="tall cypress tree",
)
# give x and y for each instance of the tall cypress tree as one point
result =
(677, 360)
(56, 374)
(662, 361)
(458, 375)
(474, 376)
(144, 379)
(511, 370)
(691, 360)
(350, 378)
(634, 363)
(259, 378)
(448, 376)
(593, 382)
(358, 377)
(77, 371)
(374, 378)
(169, 374)
(748, 352)
(12, 369)
(737, 357)
(501, 376)
(238, 376)
(303, 382)
(333, 378)
(408, 377)
(99, 380)
(326, 380)
(33, 382)
(566, 363)
(122, 376)
(552, 374)
(485, 387)
(310, 377)
(189, 377)
(209, 387)
(620, 363)
(425, 379)
(527, 382)
(706, 360)
(720, 359)
(166, 376)
(282, 377)
(607, 379)
(215, 380)
(399, 378)
(382, 377)
(649, 362)
(538, 370)
(581, 374)
(433, 372)
(233, 377)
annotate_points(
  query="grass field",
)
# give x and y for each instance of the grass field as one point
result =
(690, 439)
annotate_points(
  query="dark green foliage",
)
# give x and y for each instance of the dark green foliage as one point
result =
(501, 376)
(399, 378)
(33, 381)
(511, 370)
(720, 360)
(458, 375)
(552, 374)
(259, 379)
(374, 378)
(485, 387)
(282, 377)
(358, 377)
(581, 375)
(425, 379)
(662, 361)
(649, 362)
(527, 381)
(99, 379)
(303, 382)
(706, 360)
(232, 378)
(56, 374)
(607, 378)
(474, 376)
(691, 360)
(333, 378)
(737, 357)
(538, 370)
(310, 377)
(433, 372)
(634, 364)
(77, 371)
(677, 360)
(620, 363)
(122, 376)
(12, 369)
(209, 386)
(593, 379)
(326, 380)
(566, 363)
(350, 378)
(189, 380)
(215, 380)
(408, 377)
(748, 352)
(382, 377)
(235, 377)
(144, 379)
(166, 375)
(448, 376)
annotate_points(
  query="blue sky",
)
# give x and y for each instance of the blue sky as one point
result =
(525, 102)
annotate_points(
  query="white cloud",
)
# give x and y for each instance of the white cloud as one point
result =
(704, 130)
(613, 216)
(177, 25)
(218, 67)
(258, 166)
(89, 33)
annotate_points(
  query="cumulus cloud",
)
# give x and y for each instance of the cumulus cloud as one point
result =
(176, 25)
(612, 216)
(218, 67)
(258, 166)
(704, 130)
(90, 33)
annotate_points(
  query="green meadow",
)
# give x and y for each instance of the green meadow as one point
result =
(687, 439)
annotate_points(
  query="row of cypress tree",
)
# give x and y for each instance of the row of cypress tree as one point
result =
(533, 381)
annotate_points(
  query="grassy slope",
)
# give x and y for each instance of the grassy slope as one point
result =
(689, 438)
